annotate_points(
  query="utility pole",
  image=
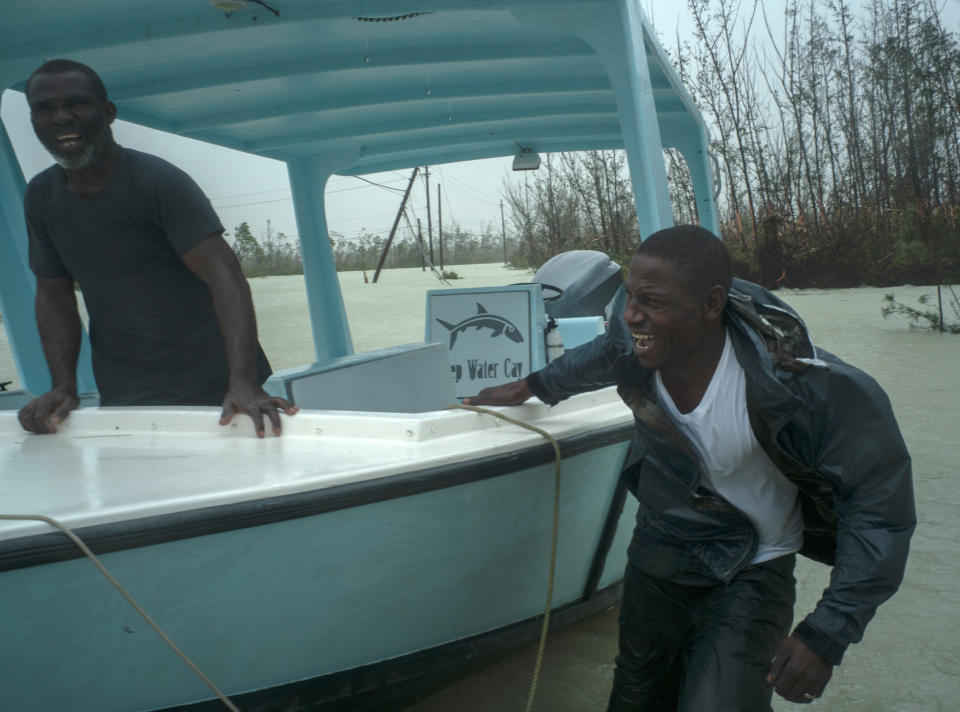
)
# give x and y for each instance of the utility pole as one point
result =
(396, 221)
(426, 173)
(503, 230)
(440, 226)
(423, 260)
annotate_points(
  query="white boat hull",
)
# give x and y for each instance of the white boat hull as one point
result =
(313, 570)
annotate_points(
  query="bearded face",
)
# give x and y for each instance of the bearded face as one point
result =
(70, 119)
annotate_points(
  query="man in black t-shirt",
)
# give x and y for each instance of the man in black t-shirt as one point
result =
(171, 318)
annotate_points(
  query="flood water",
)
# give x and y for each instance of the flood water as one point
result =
(910, 656)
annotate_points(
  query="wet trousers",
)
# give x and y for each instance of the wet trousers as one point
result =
(701, 648)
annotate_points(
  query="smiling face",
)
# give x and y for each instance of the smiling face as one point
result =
(675, 325)
(70, 119)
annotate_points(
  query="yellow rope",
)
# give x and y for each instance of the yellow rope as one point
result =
(90, 555)
(553, 540)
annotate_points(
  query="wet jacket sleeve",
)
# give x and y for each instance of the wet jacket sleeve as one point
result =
(860, 449)
(588, 367)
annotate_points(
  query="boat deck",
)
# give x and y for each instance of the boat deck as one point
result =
(108, 465)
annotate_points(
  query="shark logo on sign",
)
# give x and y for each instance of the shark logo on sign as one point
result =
(482, 320)
(491, 334)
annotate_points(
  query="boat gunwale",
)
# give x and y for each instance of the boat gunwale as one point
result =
(38, 549)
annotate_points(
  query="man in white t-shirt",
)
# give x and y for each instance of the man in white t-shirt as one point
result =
(752, 445)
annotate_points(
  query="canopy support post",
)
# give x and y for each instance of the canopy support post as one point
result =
(618, 39)
(696, 152)
(18, 286)
(331, 332)
(629, 72)
(691, 139)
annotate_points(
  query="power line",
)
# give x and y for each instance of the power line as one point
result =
(468, 195)
(467, 186)
(257, 202)
(245, 195)
(379, 185)
(280, 200)
(453, 217)
(469, 190)
(356, 187)
(281, 190)
(352, 237)
(365, 217)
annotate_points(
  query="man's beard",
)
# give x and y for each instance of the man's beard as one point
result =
(88, 156)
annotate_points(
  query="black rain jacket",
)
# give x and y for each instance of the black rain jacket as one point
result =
(826, 425)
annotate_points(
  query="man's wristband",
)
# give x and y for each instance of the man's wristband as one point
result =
(819, 642)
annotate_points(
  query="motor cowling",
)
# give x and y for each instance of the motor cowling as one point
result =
(588, 280)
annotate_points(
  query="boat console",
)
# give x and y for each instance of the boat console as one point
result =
(399, 379)
(479, 337)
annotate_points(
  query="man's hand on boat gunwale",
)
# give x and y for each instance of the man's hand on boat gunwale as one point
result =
(255, 402)
(513, 393)
(44, 413)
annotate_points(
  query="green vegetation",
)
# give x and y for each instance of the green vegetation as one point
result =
(574, 201)
(838, 141)
(840, 147)
(839, 150)
(926, 317)
(275, 255)
(459, 247)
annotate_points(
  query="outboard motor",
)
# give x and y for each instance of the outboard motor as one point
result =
(585, 279)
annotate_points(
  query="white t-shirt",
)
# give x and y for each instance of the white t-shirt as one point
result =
(737, 467)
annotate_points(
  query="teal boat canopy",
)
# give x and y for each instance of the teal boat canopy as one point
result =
(358, 86)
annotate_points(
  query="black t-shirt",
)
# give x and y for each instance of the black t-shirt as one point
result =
(153, 330)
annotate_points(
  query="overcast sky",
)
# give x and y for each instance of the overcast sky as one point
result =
(253, 189)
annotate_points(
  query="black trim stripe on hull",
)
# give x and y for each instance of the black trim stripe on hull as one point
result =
(607, 534)
(358, 689)
(40, 549)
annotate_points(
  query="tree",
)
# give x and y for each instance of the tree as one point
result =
(574, 201)
(245, 245)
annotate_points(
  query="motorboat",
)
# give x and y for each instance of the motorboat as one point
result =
(383, 536)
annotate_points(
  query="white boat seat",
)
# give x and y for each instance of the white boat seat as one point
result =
(412, 378)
